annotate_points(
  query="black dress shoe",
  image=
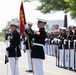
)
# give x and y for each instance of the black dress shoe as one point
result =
(29, 71)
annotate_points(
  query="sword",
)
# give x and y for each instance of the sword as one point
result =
(15, 61)
(6, 56)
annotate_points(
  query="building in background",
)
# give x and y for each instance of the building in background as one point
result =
(54, 25)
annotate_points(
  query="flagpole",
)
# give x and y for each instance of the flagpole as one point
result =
(21, 0)
(30, 54)
(22, 28)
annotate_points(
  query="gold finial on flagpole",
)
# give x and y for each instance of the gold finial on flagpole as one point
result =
(22, 0)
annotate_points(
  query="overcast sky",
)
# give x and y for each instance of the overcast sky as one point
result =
(9, 9)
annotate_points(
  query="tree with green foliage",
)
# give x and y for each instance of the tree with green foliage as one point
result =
(46, 6)
(8, 25)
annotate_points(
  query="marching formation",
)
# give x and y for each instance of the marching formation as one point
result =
(13, 49)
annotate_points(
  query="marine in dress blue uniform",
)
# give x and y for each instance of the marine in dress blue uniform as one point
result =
(74, 38)
(28, 43)
(37, 53)
(71, 48)
(62, 36)
(13, 50)
(51, 44)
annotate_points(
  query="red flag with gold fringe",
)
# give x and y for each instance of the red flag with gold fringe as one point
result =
(22, 18)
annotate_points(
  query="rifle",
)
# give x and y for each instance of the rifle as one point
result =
(69, 53)
(57, 56)
(64, 54)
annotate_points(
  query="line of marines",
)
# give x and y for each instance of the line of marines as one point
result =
(36, 44)
(62, 44)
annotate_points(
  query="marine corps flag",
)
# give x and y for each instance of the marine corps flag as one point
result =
(22, 18)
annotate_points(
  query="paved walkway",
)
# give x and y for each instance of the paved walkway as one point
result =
(50, 67)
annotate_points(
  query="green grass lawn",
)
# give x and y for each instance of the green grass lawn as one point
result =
(1, 37)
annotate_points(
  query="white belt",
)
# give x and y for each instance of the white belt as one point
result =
(37, 44)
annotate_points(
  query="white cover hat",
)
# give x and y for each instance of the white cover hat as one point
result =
(14, 23)
(62, 28)
(41, 20)
(30, 23)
